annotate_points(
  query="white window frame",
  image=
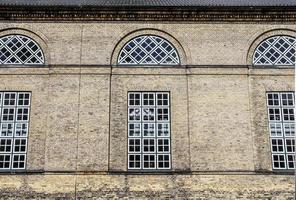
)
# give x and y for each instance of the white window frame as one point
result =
(16, 106)
(14, 55)
(138, 51)
(270, 44)
(284, 123)
(149, 137)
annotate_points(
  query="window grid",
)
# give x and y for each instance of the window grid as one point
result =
(152, 131)
(148, 50)
(14, 122)
(282, 129)
(276, 50)
(20, 49)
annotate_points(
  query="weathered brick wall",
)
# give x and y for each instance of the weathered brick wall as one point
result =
(78, 117)
(93, 43)
(146, 187)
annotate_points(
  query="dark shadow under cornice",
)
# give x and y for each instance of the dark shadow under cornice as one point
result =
(136, 13)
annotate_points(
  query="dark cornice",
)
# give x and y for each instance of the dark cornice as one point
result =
(203, 14)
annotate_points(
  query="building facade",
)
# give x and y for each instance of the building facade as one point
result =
(135, 100)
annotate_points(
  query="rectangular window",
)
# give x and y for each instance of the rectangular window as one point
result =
(149, 146)
(282, 129)
(14, 111)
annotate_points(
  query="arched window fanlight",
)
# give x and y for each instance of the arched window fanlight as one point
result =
(20, 50)
(148, 50)
(276, 50)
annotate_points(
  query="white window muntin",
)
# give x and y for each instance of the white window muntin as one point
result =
(135, 131)
(133, 101)
(162, 114)
(287, 121)
(275, 129)
(279, 161)
(148, 99)
(148, 50)
(287, 99)
(19, 161)
(276, 50)
(290, 160)
(274, 114)
(149, 160)
(149, 136)
(134, 114)
(289, 129)
(168, 145)
(6, 130)
(148, 114)
(19, 128)
(164, 161)
(8, 114)
(165, 127)
(288, 114)
(134, 145)
(10, 101)
(148, 143)
(290, 145)
(134, 161)
(22, 116)
(277, 145)
(148, 129)
(275, 99)
(6, 145)
(23, 144)
(5, 161)
(162, 99)
(20, 49)
(26, 99)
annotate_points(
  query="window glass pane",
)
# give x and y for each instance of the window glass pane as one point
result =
(273, 99)
(5, 145)
(279, 161)
(134, 161)
(149, 161)
(290, 145)
(274, 114)
(148, 129)
(275, 129)
(5, 161)
(163, 129)
(134, 129)
(134, 114)
(6, 129)
(291, 161)
(21, 129)
(148, 114)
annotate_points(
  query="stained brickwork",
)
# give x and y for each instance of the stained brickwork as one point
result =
(147, 187)
(78, 125)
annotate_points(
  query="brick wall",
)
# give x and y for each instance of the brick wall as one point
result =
(78, 124)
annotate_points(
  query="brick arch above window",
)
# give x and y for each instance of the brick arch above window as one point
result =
(19, 49)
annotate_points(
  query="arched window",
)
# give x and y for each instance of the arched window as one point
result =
(148, 50)
(276, 50)
(20, 50)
